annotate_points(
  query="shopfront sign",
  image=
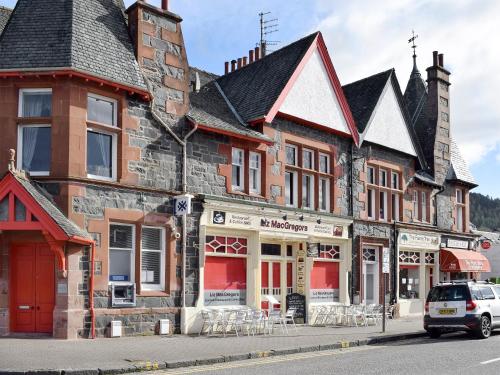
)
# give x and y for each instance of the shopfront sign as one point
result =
(246, 221)
(301, 270)
(417, 240)
(225, 297)
(457, 244)
(324, 295)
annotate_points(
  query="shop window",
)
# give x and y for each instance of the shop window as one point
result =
(291, 191)
(101, 155)
(412, 257)
(270, 249)
(430, 258)
(226, 245)
(34, 147)
(324, 163)
(307, 159)
(101, 110)
(225, 281)
(121, 252)
(324, 194)
(152, 258)
(329, 251)
(308, 191)
(255, 172)
(324, 282)
(35, 103)
(238, 161)
(409, 282)
(291, 155)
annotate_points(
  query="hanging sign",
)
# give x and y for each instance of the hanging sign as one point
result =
(486, 245)
(182, 205)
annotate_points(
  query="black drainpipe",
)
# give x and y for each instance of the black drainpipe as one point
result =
(351, 212)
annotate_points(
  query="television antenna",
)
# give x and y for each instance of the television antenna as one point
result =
(267, 27)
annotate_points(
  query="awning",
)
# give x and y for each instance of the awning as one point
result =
(463, 261)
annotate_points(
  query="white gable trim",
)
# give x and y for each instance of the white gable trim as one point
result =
(313, 98)
(387, 125)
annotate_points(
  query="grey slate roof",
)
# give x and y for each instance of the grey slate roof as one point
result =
(254, 88)
(415, 94)
(4, 17)
(205, 77)
(425, 178)
(90, 36)
(363, 96)
(44, 200)
(208, 107)
(459, 171)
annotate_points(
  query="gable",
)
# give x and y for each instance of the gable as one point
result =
(387, 126)
(313, 97)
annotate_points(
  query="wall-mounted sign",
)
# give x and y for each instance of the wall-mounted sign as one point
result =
(312, 249)
(385, 260)
(486, 245)
(457, 244)
(301, 270)
(225, 297)
(219, 218)
(324, 295)
(418, 240)
(182, 205)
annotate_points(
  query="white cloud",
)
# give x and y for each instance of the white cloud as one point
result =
(365, 37)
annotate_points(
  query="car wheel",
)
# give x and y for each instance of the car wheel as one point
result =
(435, 333)
(484, 330)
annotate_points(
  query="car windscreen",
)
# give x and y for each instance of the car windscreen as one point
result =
(448, 293)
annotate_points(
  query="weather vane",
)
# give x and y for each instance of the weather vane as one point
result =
(412, 41)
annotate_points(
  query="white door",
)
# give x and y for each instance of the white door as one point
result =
(370, 276)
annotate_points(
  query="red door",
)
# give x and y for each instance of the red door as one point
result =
(32, 287)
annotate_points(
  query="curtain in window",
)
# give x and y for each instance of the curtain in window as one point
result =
(37, 104)
(104, 153)
(30, 136)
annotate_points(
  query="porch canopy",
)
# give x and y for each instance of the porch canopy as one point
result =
(453, 260)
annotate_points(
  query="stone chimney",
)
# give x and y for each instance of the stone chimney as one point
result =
(438, 84)
(161, 53)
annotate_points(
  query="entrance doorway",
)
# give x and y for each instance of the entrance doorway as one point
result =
(32, 285)
(370, 275)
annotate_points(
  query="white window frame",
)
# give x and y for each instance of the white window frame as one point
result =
(380, 173)
(241, 173)
(294, 181)
(372, 193)
(311, 152)
(258, 173)
(383, 205)
(373, 182)
(132, 254)
(114, 154)
(310, 204)
(21, 98)
(107, 99)
(321, 154)
(161, 286)
(423, 205)
(395, 174)
(459, 196)
(295, 148)
(20, 147)
(320, 192)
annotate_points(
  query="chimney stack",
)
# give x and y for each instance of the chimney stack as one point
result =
(250, 55)
(226, 67)
(244, 60)
(239, 63)
(435, 58)
(257, 53)
(441, 60)
(233, 65)
(164, 4)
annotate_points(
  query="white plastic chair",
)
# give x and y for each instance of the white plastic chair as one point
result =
(290, 317)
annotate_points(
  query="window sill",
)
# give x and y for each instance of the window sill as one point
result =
(34, 120)
(153, 293)
(100, 178)
(104, 127)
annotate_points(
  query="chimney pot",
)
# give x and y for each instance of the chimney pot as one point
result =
(233, 65)
(239, 63)
(250, 54)
(164, 4)
(257, 53)
(435, 58)
(441, 60)
(244, 60)
(226, 67)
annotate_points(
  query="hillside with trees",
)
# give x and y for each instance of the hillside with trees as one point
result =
(485, 212)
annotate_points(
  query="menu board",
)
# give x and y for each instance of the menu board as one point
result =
(298, 302)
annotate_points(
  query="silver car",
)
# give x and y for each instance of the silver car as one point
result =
(472, 306)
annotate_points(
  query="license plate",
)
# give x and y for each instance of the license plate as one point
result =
(447, 311)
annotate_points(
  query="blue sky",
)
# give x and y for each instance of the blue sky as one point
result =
(365, 37)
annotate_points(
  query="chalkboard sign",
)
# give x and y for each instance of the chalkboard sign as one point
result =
(298, 302)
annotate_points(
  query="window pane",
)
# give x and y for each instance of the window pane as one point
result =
(101, 110)
(371, 175)
(237, 156)
(395, 181)
(307, 161)
(151, 238)
(324, 164)
(36, 148)
(99, 154)
(236, 176)
(307, 191)
(255, 172)
(270, 249)
(150, 267)
(383, 178)
(290, 188)
(20, 210)
(119, 265)
(324, 192)
(395, 206)
(291, 155)
(121, 236)
(36, 104)
(371, 194)
(383, 205)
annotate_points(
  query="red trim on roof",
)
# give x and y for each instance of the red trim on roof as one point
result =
(230, 134)
(70, 73)
(453, 260)
(311, 124)
(318, 44)
(9, 186)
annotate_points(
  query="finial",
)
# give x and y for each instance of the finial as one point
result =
(12, 160)
(414, 46)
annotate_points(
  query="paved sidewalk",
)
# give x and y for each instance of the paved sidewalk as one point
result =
(132, 353)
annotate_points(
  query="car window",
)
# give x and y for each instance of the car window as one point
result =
(497, 289)
(487, 292)
(448, 293)
(476, 293)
